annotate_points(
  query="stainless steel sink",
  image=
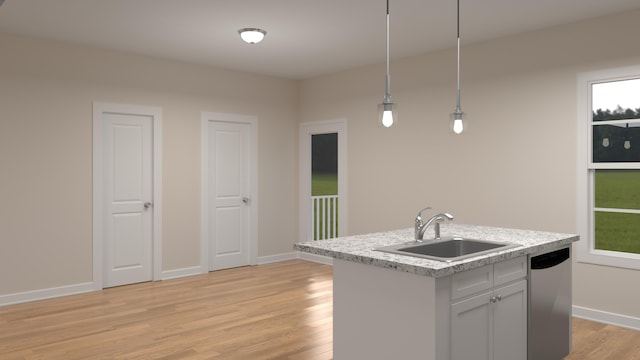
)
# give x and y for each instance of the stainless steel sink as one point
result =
(447, 249)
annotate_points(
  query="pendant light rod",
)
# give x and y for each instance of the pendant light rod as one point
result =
(387, 94)
(458, 60)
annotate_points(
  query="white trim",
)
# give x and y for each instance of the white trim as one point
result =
(321, 259)
(615, 166)
(621, 211)
(313, 128)
(605, 317)
(180, 273)
(44, 294)
(76, 289)
(277, 258)
(585, 250)
(205, 118)
(156, 114)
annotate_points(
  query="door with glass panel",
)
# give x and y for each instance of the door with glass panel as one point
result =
(323, 180)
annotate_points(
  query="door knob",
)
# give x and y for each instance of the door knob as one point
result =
(245, 200)
(147, 205)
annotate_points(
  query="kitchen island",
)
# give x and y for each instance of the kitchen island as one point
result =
(390, 306)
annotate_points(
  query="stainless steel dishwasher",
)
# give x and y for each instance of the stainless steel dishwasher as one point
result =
(550, 305)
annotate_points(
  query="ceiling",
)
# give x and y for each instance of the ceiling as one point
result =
(305, 38)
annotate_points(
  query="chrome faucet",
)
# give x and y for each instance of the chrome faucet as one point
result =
(421, 227)
(419, 224)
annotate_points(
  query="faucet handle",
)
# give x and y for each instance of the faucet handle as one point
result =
(419, 216)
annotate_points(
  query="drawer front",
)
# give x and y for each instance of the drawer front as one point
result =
(510, 270)
(470, 282)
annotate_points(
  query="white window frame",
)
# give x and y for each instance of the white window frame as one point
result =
(586, 251)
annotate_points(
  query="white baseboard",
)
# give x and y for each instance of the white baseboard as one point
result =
(316, 258)
(179, 273)
(43, 294)
(607, 317)
(276, 258)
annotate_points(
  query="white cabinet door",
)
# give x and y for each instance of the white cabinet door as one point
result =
(510, 322)
(471, 328)
(491, 325)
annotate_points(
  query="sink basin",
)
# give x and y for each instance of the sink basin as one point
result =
(448, 249)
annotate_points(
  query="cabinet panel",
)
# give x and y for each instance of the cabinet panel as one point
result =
(510, 322)
(470, 282)
(471, 325)
(510, 270)
(378, 313)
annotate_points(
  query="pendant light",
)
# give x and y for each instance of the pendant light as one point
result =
(387, 111)
(627, 138)
(457, 124)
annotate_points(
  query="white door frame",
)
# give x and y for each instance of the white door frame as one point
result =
(315, 128)
(252, 121)
(98, 195)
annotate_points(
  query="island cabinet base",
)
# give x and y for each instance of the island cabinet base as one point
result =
(478, 314)
(387, 314)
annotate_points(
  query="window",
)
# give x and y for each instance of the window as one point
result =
(609, 167)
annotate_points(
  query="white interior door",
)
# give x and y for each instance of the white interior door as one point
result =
(128, 191)
(229, 195)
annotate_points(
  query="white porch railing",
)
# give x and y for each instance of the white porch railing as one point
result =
(324, 217)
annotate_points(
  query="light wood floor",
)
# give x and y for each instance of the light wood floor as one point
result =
(275, 311)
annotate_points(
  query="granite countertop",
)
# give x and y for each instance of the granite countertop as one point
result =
(359, 248)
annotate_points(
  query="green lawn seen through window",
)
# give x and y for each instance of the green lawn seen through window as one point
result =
(618, 232)
(617, 189)
(614, 231)
(324, 184)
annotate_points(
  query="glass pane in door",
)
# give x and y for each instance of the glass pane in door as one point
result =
(324, 185)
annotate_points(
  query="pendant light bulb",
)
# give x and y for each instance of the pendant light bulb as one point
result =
(387, 118)
(458, 127)
(387, 114)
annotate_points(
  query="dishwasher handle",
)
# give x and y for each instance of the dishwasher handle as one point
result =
(551, 259)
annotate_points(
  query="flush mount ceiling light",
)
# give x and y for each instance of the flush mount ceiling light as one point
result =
(252, 35)
(457, 116)
(387, 111)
